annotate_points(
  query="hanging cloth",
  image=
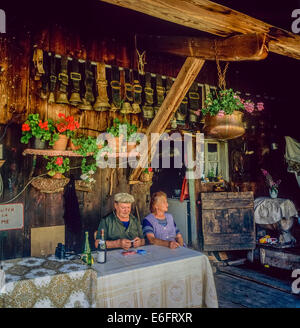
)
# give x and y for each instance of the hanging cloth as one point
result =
(184, 190)
(292, 157)
(72, 216)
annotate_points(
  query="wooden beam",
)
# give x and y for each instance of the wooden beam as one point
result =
(216, 19)
(180, 87)
(236, 48)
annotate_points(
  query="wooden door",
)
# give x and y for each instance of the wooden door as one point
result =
(227, 221)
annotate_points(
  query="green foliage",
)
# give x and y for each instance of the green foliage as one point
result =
(34, 127)
(118, 128)
(222, 100)
(57, 164)
(87, 145)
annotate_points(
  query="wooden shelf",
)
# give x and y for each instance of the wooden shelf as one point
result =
(51, 152)
(70, 153)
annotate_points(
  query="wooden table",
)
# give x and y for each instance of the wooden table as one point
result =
(163, 277)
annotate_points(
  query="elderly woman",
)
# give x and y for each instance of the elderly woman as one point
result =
(121, 229)
(159, 226)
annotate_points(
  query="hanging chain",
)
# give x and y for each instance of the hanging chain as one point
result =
(221, 75)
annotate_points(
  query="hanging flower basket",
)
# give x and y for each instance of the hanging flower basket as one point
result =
(223, 114)
(224, 126)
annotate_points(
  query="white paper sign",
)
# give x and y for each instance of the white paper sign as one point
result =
(11, 217)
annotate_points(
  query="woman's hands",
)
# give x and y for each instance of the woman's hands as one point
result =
(173, 244)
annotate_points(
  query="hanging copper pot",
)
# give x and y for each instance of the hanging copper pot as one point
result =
(224, 127)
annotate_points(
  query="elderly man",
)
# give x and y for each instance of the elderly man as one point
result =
(121, 229)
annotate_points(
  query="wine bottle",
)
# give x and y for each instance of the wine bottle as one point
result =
(101, 256)
(87, 254)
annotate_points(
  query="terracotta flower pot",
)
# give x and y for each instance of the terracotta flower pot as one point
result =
(130, 146)
(61, 143)
(72, 146)
(58, 175)
(224, 127)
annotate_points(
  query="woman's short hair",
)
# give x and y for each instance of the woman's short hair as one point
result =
(155, 197)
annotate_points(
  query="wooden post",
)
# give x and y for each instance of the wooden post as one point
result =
(180, 87)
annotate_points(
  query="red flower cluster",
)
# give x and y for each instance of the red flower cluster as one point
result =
(25, 127)
(68, 123)
(44, 125)
(59, 161)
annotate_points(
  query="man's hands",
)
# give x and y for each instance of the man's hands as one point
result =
(126, 243)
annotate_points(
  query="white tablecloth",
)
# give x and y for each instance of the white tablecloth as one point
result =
(47, 283)
(162, 277)
(270, 211)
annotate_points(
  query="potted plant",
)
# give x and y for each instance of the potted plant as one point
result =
(66, 127)
(115, 138)
(272, 185)
(223, 113)
(57, 166)
(87, 171)
(120, 132)
(132, 136)
(42, 131)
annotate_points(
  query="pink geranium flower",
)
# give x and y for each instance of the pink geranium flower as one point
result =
(221, 113)
(260, 106)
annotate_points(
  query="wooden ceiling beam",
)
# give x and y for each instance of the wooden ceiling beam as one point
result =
(236, 48)
(215, 19)
(180, 87)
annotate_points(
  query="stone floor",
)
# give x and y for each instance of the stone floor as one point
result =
(246, 286)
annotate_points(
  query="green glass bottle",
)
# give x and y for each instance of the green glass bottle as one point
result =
(87, 254)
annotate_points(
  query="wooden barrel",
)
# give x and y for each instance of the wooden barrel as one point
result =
(224, 127)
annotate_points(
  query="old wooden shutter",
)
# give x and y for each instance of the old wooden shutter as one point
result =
(227, 221)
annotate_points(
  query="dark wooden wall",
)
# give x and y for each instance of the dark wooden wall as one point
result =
(97, 32)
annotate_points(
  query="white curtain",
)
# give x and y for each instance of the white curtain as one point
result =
(292, 156)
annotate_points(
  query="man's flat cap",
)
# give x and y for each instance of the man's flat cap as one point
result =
(123, 197)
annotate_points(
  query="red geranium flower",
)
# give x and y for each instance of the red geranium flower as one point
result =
(59, 161)
(25, 127)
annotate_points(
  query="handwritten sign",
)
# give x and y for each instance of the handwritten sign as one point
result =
(11, 217)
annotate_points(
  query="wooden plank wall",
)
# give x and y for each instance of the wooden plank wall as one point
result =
(19, 97)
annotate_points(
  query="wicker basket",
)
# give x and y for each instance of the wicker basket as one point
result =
(146, 177)
(49, 185)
